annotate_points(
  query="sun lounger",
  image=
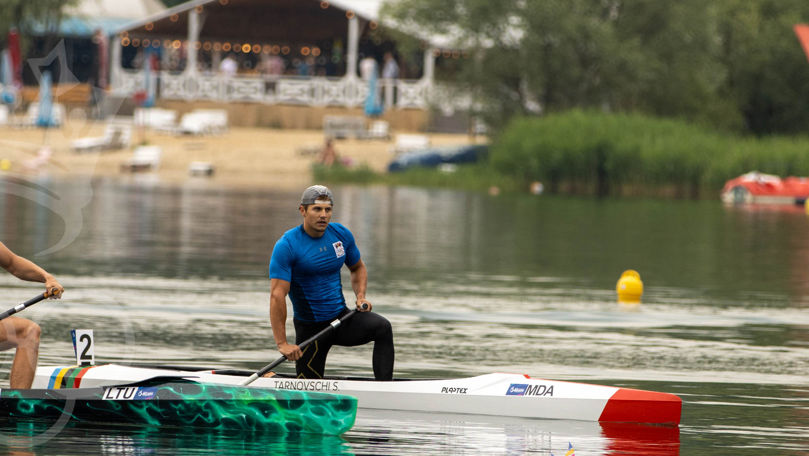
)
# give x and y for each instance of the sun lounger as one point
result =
(341, 127)
(200, 168)
(32, 119)
(379, 129)
(204, 121)
(144, 158)
(156, 118)
(116, 136)
(410, 142)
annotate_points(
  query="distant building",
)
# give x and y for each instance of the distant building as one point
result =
(317, 45)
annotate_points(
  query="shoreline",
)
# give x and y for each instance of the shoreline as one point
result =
(240, 156)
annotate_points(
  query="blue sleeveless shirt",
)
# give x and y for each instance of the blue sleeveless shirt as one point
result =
(312, 268)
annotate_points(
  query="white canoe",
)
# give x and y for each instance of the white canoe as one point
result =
(491, 394)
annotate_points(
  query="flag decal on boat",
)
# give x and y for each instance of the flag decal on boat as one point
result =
(67, 377)
(516, 389)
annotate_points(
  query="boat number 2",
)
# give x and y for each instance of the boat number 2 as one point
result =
(83, 346)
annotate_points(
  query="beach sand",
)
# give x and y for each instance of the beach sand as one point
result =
(239, 156)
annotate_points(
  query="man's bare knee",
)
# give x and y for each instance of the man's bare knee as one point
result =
(30, 335)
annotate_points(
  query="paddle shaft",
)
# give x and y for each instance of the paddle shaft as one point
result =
(22, 306)
(333, 325)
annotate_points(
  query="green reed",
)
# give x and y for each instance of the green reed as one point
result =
(598, 153)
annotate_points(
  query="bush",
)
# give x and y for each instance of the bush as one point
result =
(599, 153)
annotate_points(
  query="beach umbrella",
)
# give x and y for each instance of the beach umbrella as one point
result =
(102, 46)
(13, 40)
(45, 118)
(373, 104)
(149, 86)
(9, 92)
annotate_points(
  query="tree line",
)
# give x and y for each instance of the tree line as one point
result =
(733, 65)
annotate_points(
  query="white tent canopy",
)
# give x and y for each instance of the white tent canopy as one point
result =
(128, 9)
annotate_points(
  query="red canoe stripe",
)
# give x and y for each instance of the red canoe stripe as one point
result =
(637, 406)
(77, 380)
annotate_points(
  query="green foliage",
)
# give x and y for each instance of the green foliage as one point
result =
(593, 152)
(22, 14)
(734, 65)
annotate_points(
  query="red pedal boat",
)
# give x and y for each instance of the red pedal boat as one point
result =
(759, 188)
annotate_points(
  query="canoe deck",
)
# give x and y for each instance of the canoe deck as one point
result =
(497, 394)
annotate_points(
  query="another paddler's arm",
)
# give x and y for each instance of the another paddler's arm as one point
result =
(279, 289)
(27, 270)
(359, 282)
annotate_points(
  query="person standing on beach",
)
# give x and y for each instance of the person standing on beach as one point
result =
(305, 264)
(390, 70)
(328, 156)
(98, 73)
(20, 333)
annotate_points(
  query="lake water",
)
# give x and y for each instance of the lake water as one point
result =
(472, 284)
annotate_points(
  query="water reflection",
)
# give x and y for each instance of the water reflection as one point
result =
(25, 440)
(377, 432)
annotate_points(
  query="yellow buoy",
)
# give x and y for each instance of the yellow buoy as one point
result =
(629, 287)
(5, 164)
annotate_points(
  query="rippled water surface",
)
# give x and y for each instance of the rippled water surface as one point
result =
(472, 284)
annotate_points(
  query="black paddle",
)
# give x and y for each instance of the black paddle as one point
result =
(302, 345)
(22, 306)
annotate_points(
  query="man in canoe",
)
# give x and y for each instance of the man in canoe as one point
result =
(305, 265)
(19, 333)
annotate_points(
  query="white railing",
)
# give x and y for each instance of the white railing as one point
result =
(314, 91)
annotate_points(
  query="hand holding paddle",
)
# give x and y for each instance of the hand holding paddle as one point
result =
(28, 303)
(333, 325)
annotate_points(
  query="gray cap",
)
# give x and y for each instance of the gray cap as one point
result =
(315, 192)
